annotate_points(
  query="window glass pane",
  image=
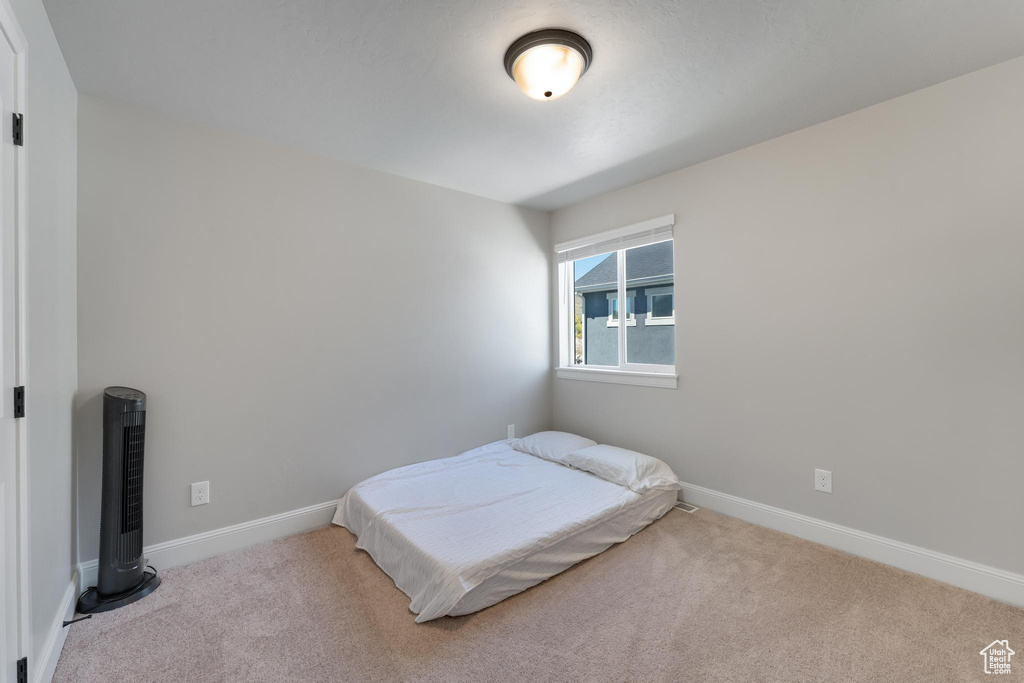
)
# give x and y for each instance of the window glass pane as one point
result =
(613, 309)
(650, 280)
(595, 341)
(661, 306)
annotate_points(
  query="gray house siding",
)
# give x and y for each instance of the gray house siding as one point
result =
(645, 343)
(600, 342)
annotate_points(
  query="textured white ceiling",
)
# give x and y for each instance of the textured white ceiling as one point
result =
(417, 88)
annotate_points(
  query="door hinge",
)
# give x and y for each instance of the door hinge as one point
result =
(19, 401)
(19, 129)
(22, 670)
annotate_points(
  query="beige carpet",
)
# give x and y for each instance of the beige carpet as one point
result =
(692, 598)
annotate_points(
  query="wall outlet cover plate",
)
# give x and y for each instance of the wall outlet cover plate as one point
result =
(200, 493)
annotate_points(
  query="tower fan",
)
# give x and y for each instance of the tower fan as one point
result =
(122, 577)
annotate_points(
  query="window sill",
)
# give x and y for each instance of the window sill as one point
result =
(650, 322)
(615, 323)
(614, 376)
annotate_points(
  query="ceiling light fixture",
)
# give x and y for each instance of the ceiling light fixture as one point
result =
(546, 64)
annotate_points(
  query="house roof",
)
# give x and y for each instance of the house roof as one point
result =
(650, 264)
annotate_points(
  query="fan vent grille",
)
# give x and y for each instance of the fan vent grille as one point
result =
(132, 442)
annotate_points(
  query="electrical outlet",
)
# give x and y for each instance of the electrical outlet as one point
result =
(511, 431)
(200, 493)
(823, 481)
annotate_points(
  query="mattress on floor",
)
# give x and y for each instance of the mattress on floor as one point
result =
(461, 534)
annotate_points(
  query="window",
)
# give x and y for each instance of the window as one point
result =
(660, 306)
(635, 265)
(593, 277)
(613, 309)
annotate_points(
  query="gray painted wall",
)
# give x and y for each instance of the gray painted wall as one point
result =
(50, 145)
(299, 324)
(848, 297)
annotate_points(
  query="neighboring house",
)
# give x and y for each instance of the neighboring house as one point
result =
(649, 310)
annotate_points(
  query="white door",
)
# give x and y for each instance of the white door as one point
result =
(10, 650)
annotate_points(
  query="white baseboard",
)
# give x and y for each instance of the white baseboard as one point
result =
(995, 583)
(207, 544)
(48, 656)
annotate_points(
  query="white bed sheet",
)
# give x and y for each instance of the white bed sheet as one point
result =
(461, 534)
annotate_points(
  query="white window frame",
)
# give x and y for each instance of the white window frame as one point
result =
(630, 315)
(652, 292)
(618, 240)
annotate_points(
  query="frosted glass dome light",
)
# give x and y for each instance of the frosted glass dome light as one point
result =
(546, 64)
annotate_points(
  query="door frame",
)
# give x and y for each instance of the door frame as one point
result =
(11, 30)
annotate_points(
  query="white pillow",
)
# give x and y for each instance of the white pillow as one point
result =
(636, 471)
(553, 446)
